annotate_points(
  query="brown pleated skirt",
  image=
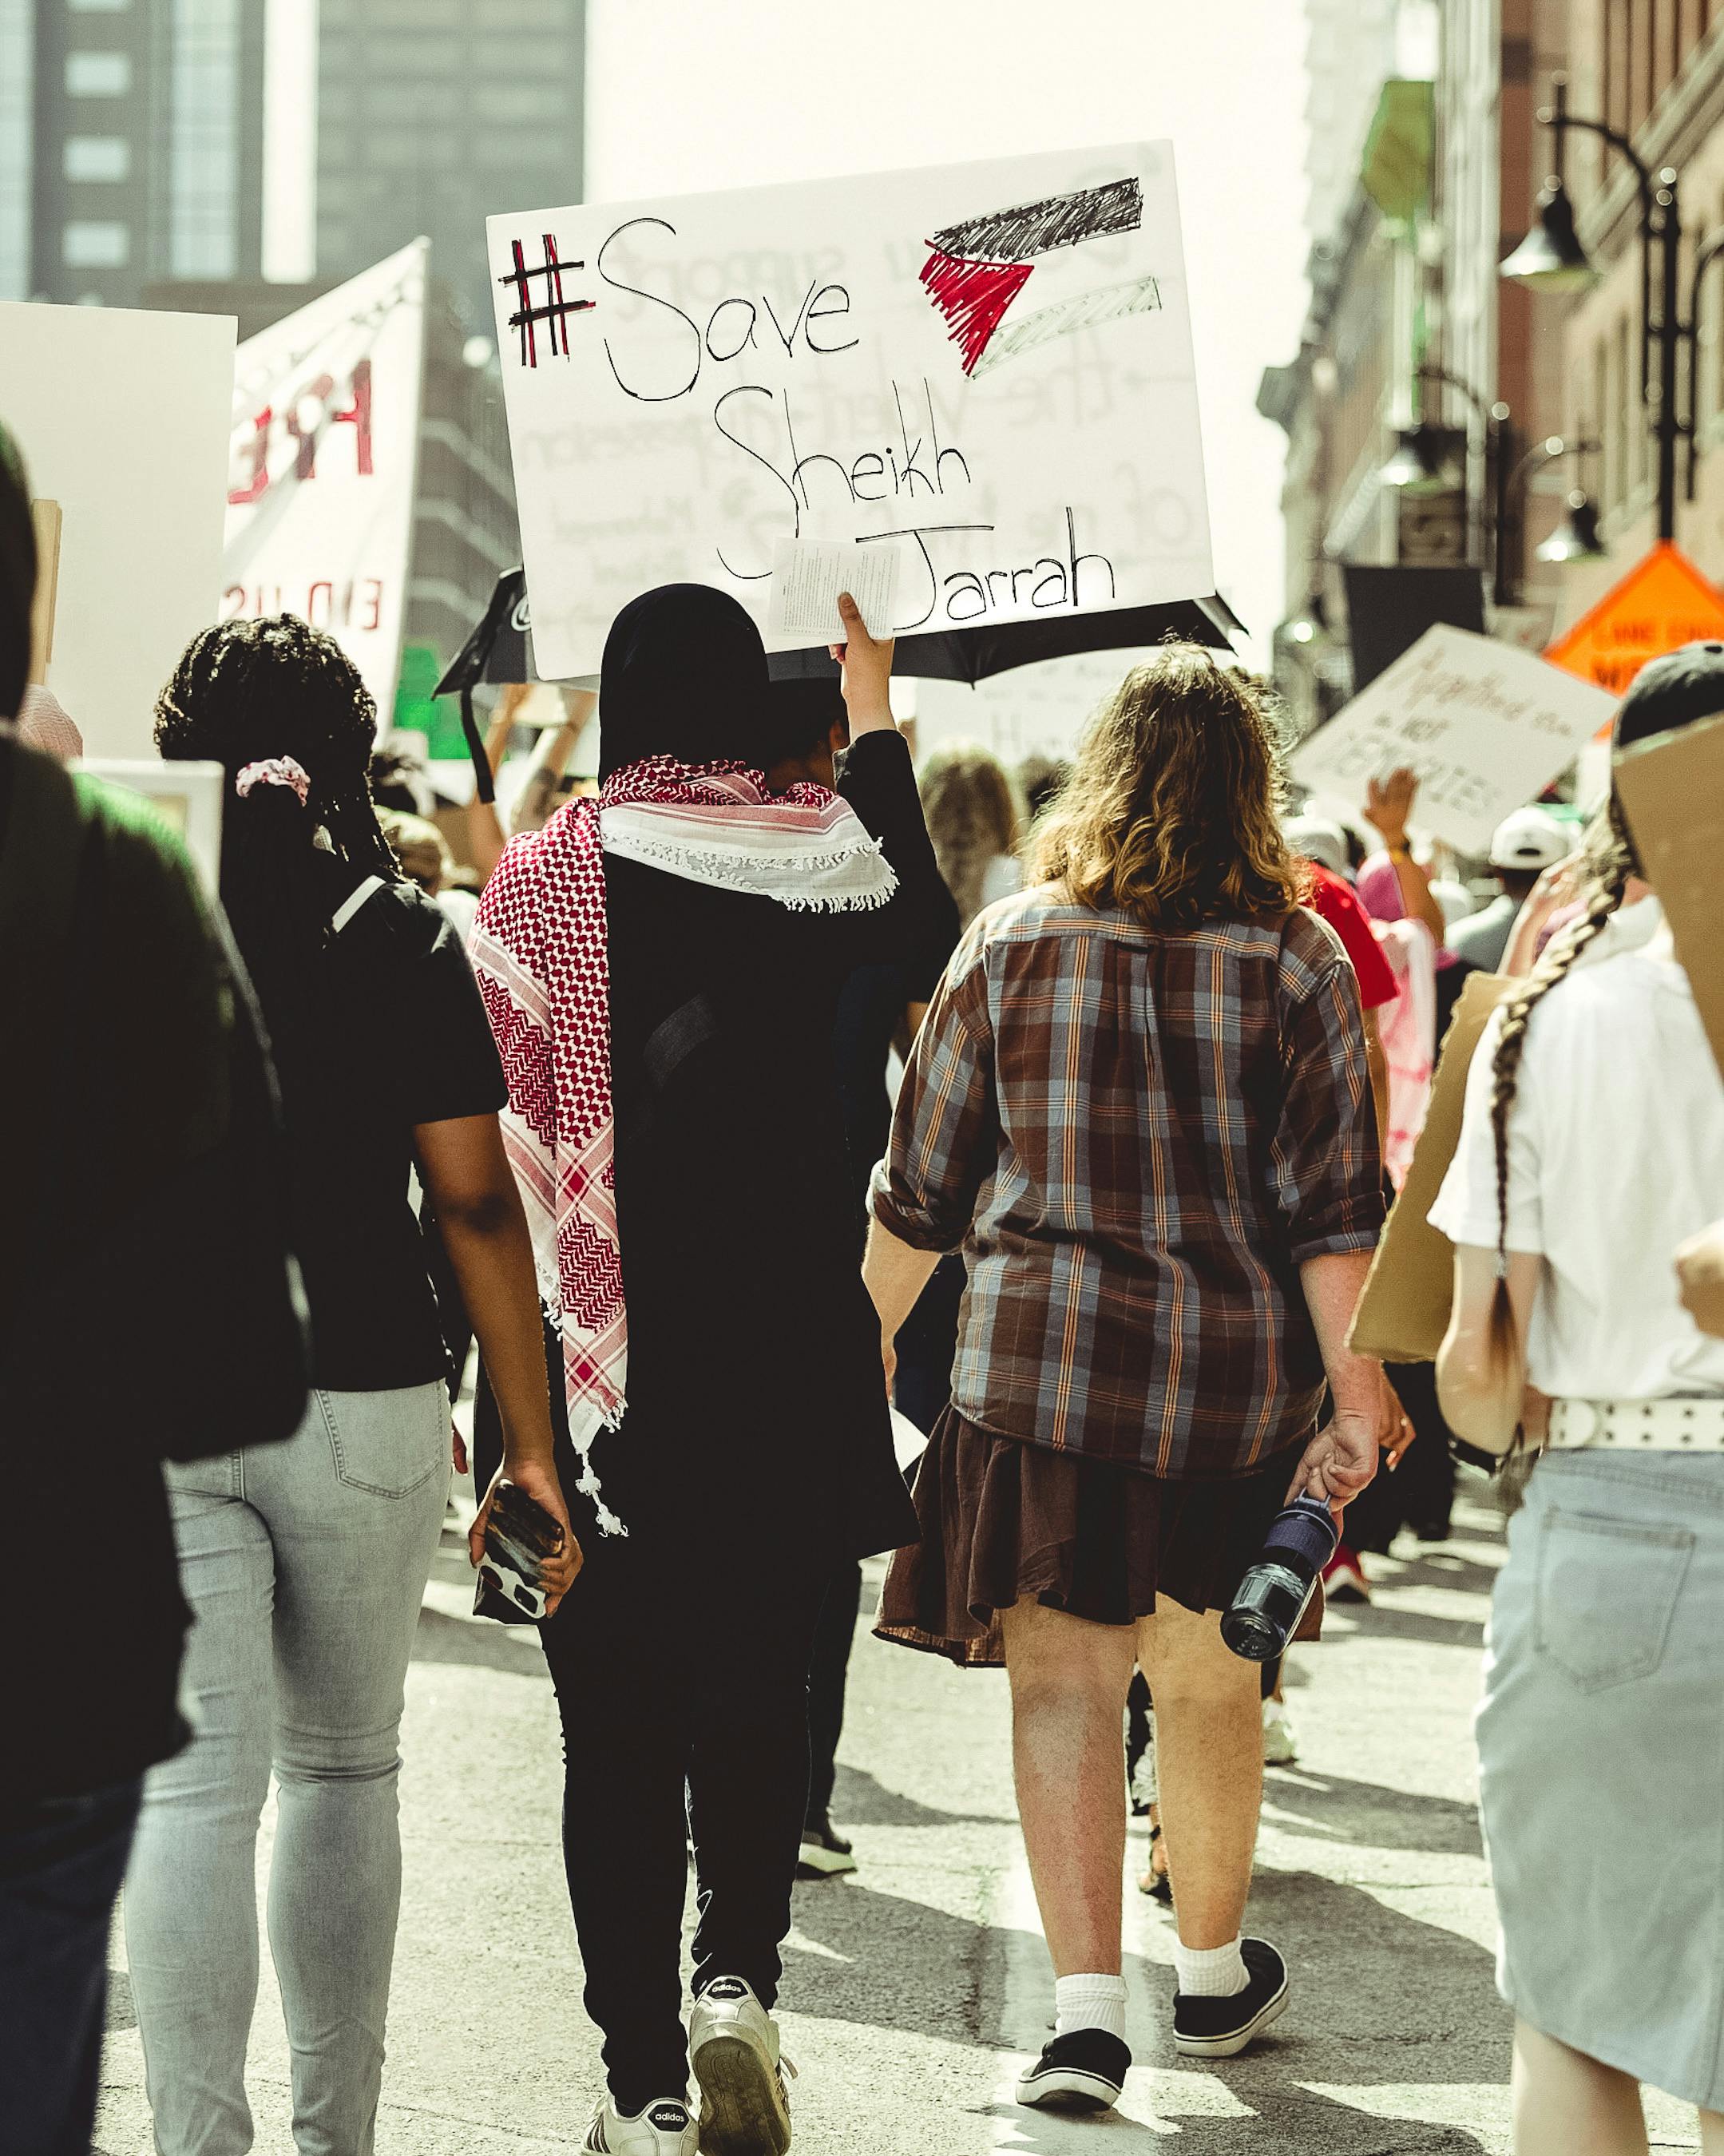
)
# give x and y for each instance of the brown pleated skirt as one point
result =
(1001, 1519)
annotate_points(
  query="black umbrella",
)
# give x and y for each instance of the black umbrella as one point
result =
(499, 650)
(973, 654)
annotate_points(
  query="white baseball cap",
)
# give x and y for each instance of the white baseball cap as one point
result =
(1317, 838)
(1530, 838)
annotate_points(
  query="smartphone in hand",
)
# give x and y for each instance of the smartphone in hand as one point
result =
(519, 1534)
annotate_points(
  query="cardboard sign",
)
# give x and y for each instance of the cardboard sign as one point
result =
(1662, 604)
(986, 369)
(122, 416)
(1403, 1312)
(46, 520)
(1486, 728)
(1671, 790)
(323, 460)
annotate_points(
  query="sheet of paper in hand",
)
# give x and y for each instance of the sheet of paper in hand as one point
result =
(1486, 727)
(809, 574)
(984, 371)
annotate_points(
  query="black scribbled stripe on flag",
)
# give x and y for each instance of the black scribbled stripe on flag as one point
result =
(1014, 235)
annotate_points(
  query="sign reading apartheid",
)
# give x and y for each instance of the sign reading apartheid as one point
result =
(983, 374)
(1485, 725)
(323, 458)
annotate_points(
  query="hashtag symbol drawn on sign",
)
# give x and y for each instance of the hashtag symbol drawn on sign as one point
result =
(552, 307)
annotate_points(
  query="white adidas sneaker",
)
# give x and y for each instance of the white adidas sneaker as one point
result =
(733, 2048)
(665, 2127)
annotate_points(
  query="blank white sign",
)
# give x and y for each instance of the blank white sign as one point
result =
(986, 367)
(122, 417)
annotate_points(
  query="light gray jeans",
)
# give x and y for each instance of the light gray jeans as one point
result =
(304, 1564)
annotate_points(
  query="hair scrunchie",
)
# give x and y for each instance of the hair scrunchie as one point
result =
(274, 771)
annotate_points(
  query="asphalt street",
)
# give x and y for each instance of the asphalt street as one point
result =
(914, 1989)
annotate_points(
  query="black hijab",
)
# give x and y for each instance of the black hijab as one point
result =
(684, 675)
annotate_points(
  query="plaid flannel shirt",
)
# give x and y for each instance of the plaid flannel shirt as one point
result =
(1137, 1138)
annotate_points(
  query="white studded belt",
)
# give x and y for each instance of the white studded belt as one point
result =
(1671, 1425)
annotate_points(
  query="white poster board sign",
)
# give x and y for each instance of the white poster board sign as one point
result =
(986, 369)
(323, 464)
(1486, 727)
(122, 419)
(1038, 711)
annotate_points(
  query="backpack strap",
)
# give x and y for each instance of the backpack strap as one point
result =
(351, 905)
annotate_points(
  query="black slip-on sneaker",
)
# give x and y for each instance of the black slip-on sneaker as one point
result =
(1219, 2028)
(825, 1853)
(1083, 2071)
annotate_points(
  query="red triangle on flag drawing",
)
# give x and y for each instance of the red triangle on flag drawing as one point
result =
(972, 296)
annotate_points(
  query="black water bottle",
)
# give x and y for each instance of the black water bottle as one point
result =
(1264, 1615)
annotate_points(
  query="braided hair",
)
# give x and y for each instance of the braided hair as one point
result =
(1612, 863)
(247, 691)
(1668, 693)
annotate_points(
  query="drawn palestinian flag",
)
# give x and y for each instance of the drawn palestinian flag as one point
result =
(978, 267)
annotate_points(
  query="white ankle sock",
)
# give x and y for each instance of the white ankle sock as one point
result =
(1210, 1972)
(1090, 2002)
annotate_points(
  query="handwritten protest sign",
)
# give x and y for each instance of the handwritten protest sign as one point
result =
(323, 459)
(986, 369)
(1485, 725)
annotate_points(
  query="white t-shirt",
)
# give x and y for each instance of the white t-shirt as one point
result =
(1616, 1155)
(1001, 878)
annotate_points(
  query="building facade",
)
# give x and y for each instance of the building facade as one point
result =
(1350, 387)
(1653, 69)
(145, 146)
(236, 157)
(1411, 324)
(144, 140)
(143, 158)
(433, 115)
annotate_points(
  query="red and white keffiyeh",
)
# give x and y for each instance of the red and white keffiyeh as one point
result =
(538, 949)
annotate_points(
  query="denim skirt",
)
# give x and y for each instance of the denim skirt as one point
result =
(1601, 1763)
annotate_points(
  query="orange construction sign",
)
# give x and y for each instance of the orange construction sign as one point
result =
(1663, 602)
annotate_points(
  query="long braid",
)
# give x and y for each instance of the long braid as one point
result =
(1614, 863)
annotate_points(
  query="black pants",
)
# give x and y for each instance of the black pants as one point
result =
(679, 1669)
(61, 1863)
(829, 1668)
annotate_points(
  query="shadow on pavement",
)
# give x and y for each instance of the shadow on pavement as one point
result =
(1359, 2017)
(1368, 1813)
(476, 1642)
(860, 1800)
(1379, 1622)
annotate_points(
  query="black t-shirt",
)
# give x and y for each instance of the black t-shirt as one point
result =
(396, 1036)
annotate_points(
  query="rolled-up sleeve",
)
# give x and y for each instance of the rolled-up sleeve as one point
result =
(1327, 1168)
(944, 1137)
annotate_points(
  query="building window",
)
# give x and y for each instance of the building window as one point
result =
(204, 156)
(91, 243)
(97, 75)
(98, 158)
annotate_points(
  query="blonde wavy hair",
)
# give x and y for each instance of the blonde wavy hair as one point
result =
(974, 812)
(1173, 810)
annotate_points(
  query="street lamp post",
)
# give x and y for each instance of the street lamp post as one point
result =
(1551, 259)
(1507, 472)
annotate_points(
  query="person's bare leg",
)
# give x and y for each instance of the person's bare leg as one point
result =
(1711, 2133)
(1068, 1683)
(1566, 2104)
(1209, 1724)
